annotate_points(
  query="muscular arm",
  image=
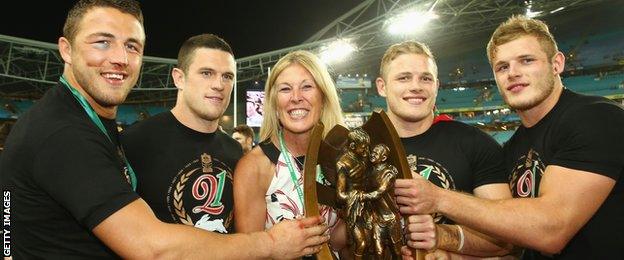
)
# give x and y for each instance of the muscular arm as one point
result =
(478, 244)
(133, 232)
(425, 235)
(252, 178)
(545, 223)
(554, 217)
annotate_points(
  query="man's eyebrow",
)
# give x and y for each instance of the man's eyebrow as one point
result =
(102, 34)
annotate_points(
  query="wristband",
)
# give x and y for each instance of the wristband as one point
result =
(461, 238)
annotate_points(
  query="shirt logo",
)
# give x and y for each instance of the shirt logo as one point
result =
(526, 175)
(196, 196)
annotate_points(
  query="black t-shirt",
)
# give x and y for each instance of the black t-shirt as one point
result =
(185, 176)
(64, 177)
(583, 133)
(455, 156)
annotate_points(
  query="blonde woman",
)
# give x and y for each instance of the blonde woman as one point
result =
(268, 182)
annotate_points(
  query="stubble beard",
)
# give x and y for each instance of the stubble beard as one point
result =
(544, 88)
(98, 93)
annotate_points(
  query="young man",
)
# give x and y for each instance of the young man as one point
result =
(68, 180)
(565, 160)
(244, 135)
(184, 164)
(449, 154)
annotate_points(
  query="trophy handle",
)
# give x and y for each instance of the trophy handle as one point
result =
(380, 123)
(309, 183)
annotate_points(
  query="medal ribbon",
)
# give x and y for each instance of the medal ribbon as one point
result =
(96, 120)
(291, 169)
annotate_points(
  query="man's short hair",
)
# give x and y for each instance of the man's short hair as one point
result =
(76, 13)
(207, 40)
(244, 130)
(407, 47)
(518, 26)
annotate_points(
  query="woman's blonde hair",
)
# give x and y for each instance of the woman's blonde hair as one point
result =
(331, 114)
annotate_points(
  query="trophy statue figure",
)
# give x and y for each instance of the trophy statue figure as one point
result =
(371, 214)
(360, 182)
(386, 217)
(352, 168)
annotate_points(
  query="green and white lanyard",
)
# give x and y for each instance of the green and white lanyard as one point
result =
(291, 169)
(94, 117)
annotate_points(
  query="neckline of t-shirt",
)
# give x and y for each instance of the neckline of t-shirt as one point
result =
(109, 124)
(563, 100)
(107, 120)
(415, 138)
(188, 130)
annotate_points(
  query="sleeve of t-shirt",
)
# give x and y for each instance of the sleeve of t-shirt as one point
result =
(78, 169)
(589, 138)
(486, 160)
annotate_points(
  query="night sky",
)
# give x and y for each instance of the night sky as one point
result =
(251, 27)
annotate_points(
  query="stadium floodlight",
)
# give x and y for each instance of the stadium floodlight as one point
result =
(532, 14)
(529, 13)
(557, 10)
(409, 22)
(337, 51)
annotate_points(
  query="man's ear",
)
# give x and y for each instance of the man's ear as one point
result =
(558, 63)
(178, 78)
(65, 49)
(381, 86)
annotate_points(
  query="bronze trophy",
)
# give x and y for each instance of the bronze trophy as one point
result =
(359, 167)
